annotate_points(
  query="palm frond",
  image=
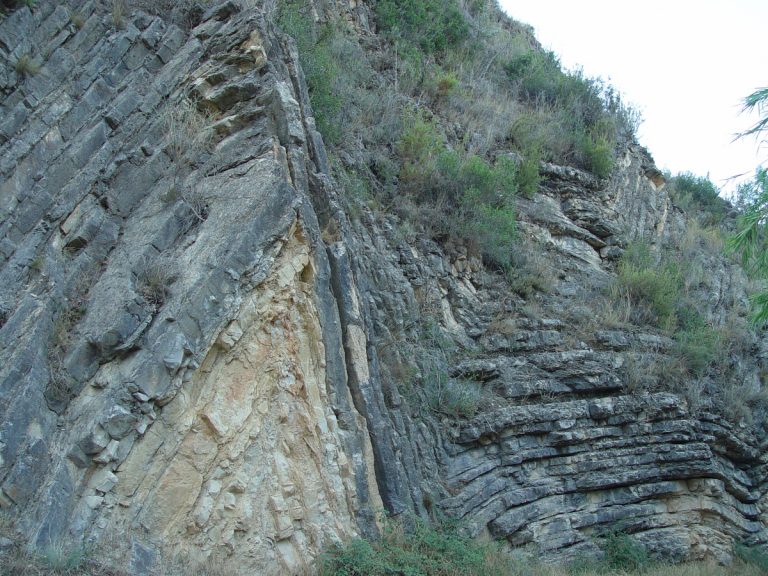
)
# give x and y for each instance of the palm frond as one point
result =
(758, 100)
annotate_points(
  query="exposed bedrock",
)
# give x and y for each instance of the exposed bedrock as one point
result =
(203, 355)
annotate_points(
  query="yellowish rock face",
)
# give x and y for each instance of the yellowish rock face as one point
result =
(248, 457)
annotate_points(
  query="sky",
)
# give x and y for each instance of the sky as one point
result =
(686, 65)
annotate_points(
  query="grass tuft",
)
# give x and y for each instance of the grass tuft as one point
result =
(26, 66)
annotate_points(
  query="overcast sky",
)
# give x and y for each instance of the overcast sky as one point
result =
(685, 64)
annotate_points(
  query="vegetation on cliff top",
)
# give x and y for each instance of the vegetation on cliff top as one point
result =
(451, 114)
(443, 120)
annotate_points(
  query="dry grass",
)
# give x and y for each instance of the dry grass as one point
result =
(738, 568)
(483, 105)
(119, 10)
(700, 238)
(213, 566)
(531, 271)
(22, 563)
(187, 129)
(26, 66)
(154, 277)
(54, 560)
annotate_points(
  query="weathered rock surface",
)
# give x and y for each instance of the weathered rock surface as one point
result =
(202, 354)
(169, 375)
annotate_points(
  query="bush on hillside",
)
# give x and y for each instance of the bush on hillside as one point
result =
(653, 290)
(572, 117)
(432, 25)
(319, 65)
(699, 195)
(477, 197)
(623, 553)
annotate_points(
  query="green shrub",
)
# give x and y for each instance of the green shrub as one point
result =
(320, 65)
(698, 194)
(573, 118)
(595, 149)
(486, 215)
(420, 145)
(451, 397)
(528, 176)
(623, 553)
(419, 551)
(432, 25)
(520, 65)
(491, 230)
(696, 342)
(749, 193)
(507, 176)
(443, 84)
(546, 131)
(477, 175)
(652, 290)
(539, 75)
(477, 198)
(430, 170)
(541, 80)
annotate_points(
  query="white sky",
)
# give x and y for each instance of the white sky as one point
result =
(685, 64)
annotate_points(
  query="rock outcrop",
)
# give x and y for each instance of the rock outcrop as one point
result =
(173, 365)
(202, 355)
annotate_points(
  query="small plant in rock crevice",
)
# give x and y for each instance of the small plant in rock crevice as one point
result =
(26, 66)
(188, 133)
(154, 278)
(77, 19)
(194, 200)
(118, 13)
(420, 363)
(61, 386)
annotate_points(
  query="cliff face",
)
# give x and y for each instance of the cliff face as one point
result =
(173, 363)
(203, 355)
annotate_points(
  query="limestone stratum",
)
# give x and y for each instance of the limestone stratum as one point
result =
(281, 276)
